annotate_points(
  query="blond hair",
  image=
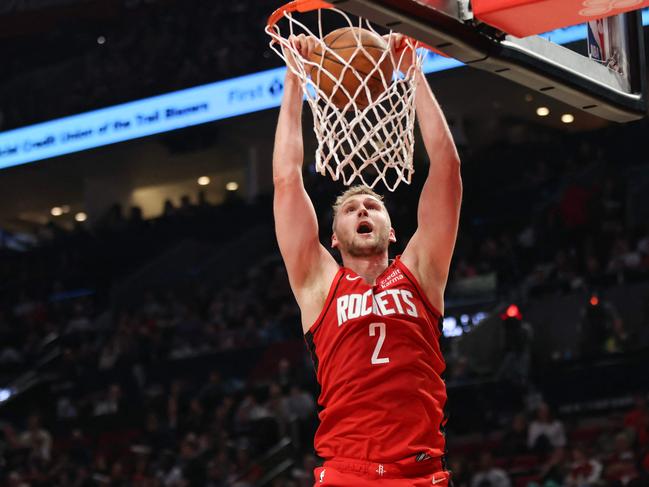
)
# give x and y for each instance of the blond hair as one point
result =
(353, 191)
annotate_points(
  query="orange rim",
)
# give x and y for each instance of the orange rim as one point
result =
(426, 46)
(297, 6)
(309, 5)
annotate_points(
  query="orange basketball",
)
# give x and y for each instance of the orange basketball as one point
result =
(345, 43)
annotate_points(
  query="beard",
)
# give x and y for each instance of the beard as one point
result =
(358, 247)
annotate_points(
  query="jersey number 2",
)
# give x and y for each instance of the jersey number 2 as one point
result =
(379, 343)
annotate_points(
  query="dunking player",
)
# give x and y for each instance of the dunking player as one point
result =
(372, 326)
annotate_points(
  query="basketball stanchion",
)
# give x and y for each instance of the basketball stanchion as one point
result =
(361, 92)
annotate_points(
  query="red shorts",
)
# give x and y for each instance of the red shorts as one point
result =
(343, 472)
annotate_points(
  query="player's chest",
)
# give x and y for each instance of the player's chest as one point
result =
(392, 298)
(361, 302)
(375, 325)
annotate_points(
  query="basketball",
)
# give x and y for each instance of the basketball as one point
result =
(345, 42)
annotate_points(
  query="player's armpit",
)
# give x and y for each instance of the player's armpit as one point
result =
(429, 252)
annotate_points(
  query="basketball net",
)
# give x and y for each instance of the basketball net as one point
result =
(363, 142)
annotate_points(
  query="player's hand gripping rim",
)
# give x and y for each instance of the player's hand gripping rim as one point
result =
(403, 51)
(304, 46)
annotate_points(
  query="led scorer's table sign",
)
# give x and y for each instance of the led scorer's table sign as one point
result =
(179, 109)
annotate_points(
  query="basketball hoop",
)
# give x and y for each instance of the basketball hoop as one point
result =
(371, 137)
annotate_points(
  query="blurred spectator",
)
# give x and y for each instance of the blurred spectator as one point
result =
(194, 419)
(300, 403)
(136, 219)
(250, 410)
(247, 471)
(186, 208)
(573, 206)
(37, 439)
(618, 340)
(190, 462)
(583, 471)
(111, 403)
(637, 420)
(66, 408)
(488, 475)
(223, 415)
(459, 370)
(219, 468)
(620, 467)
(154, 435)
(118, 476)
(168, 210)
(610, 206)
(285, 374)
(213, 392)
(304, 474)
(517, 335)
(460, 472)
(545, 433)
(9, 355)
(553, 471)
(563, 274)
(601, 328)
(463, 269)
(643, 334)
(594, 277)
(623, 258)
(515, 439)
(109, 355)
(279, 408)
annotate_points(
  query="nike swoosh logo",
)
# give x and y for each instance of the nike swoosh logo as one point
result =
(437, 481)
(350, 278)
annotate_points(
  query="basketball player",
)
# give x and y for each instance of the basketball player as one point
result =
(372, 326)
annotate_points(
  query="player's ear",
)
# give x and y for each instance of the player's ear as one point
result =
(334, 241)
(393, 236)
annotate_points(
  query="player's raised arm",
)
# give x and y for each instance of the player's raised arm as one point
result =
(429, 252)
(308, 263)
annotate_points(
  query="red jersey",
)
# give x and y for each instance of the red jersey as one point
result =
(378, 363)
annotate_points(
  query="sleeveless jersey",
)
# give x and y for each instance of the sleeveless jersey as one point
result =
(378, 364)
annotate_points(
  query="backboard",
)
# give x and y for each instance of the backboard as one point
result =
(540, 62)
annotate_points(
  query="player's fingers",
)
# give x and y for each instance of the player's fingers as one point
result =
(289, 50)
(410, 43)
(294, 41)
(400, 41)
(310, 45)
(389, 38)
(397, 41)
(301, 45)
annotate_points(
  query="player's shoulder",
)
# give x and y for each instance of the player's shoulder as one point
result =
(423, 278)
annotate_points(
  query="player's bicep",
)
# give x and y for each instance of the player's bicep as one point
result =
(431, 247)
(296, 227)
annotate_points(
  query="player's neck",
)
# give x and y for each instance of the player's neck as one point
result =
(368, 267)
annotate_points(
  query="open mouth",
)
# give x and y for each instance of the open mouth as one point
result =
(364, 227)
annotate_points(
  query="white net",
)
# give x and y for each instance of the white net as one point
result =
(365, 133)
